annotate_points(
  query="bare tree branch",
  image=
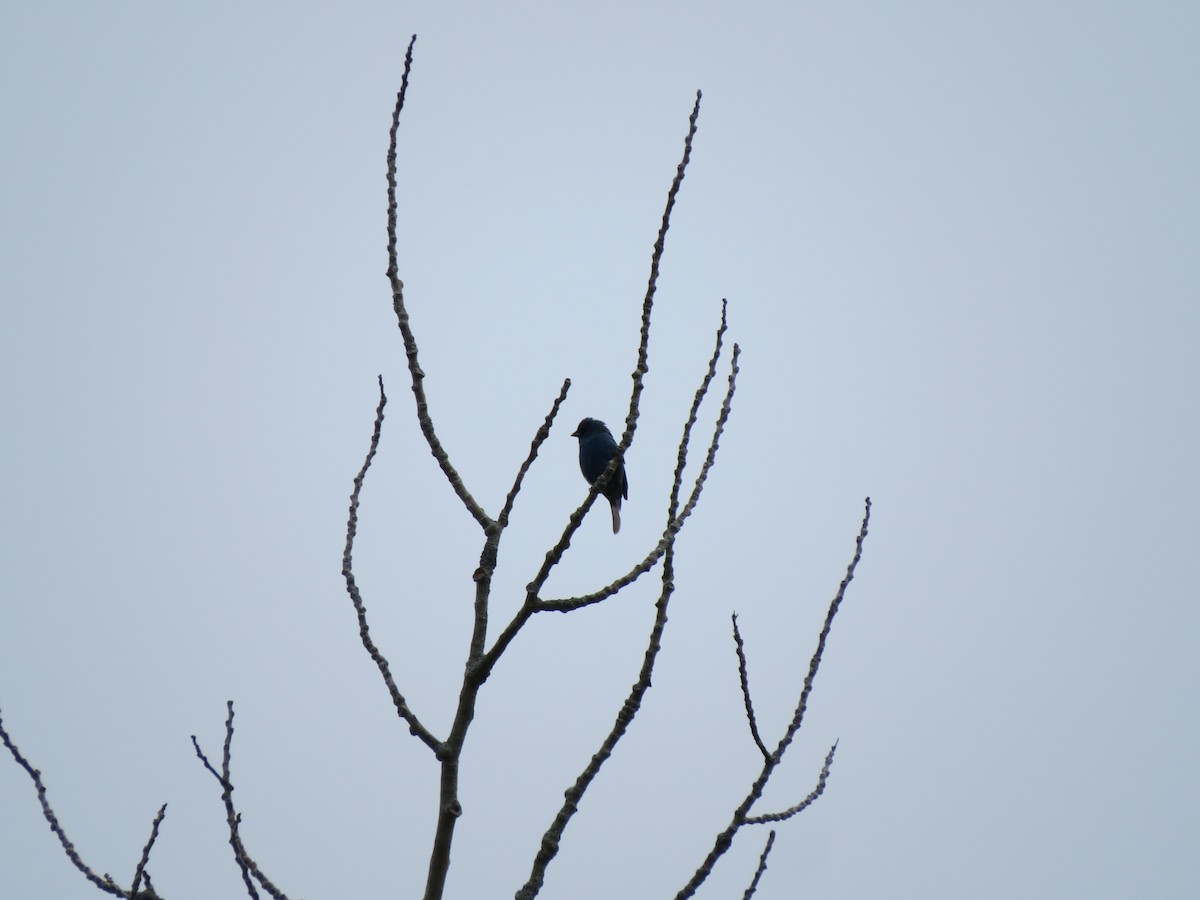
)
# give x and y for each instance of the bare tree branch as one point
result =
(449, 807)
(410, 342)
(105, 884)
(744, 678)
(740, 816)
(551, 840)
(489, 557)
(548, 849)
(701, 392)
(540, 438)
(762, 867)
(232, 817)
(364, 631)
(815, 662)
(803, 804)
(142, 863)
(660, 243)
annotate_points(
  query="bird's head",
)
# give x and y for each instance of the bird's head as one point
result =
(589, 427)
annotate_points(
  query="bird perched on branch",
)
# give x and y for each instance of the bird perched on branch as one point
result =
(596, 448)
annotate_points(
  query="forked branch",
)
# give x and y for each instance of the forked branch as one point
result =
(233, 818)
(741, 815)
(106, 883)
(803, 804)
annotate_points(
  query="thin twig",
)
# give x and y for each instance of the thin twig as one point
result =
(204, 759)
(697, 399)
(141, 866)
(744, 678)
(762, 867)
(803, 804)
(364, 631)
(815, 662)
(107, 885)
(660, 244)
(233, 819)
(410, 341)
(538, 439)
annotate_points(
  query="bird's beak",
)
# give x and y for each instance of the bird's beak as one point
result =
(575, 433)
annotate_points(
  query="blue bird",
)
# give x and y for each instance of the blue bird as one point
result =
(596, 448)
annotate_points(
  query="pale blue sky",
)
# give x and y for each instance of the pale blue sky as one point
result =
(959, 246)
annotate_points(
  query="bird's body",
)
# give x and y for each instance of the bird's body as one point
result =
(596, 448)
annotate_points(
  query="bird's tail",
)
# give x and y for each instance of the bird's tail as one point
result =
(616, 511)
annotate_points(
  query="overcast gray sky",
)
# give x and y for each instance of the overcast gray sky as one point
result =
(959, 246)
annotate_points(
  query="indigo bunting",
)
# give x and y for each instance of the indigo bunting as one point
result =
(596, 448)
